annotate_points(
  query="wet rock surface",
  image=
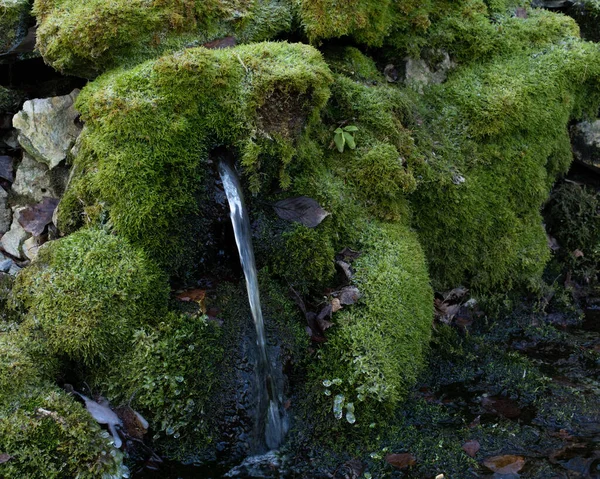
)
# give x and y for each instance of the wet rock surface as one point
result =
(586, 143)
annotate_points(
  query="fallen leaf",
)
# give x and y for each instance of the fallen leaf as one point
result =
(504, 464)
(345, 267)
(301, 209)
(5, 458)
(552, 243)
(6, 168)
(577, 253)
(220, 43)
(349, 295)
(401, 461)
(347, 254)
(335, 305)
(455, 294)
(356, 468)
(321, 321)
(34, 219)
(471, 447)
(133, 422)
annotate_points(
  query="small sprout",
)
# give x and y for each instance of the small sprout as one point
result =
(344, 136)
(338, 404)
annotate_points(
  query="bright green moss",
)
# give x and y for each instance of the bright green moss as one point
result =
(87, 37)
(376, 347)
(87, 292)
(48, 435)
(13, 16)
(170, 377)
(501, 140)
(150, 130)
(17, 369)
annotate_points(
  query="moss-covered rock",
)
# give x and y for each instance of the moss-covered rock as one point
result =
(47, 434)
(150, 131)
(13, 17)
(9, 100)
(86, 38)
(376, 348)
(85, 294)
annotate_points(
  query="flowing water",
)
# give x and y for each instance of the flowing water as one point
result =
(270, 413)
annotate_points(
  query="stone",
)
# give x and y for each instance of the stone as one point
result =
(12, 242)
(48, 127)
(35, 181)
(31, 247)
(5, 265)
(13, 23)
(14, 269)
(585, 139)
(431, 68)
(5, 212)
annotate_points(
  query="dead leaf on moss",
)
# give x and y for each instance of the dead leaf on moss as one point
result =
(5, 458)
(335, 305)
(220, 43)
(301, 209)
(401, 461)
(349, 295)
(577, 253)
(508, 464)
(471, 448)
(195, 295)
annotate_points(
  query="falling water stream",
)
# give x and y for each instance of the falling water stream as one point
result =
(270, 415)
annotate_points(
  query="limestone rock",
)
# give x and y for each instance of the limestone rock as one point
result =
(34, 181)
(31, 247)
(12, 242)
(5, 213)
(431, 68)
(585, 138)
(13, 19)
(48, 127)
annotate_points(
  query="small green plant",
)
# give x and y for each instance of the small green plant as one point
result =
(343, 137)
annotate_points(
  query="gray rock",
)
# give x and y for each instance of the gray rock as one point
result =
(48, 127)
(13, 17)
(14, 269)
(12, 242)
(431, 68)
(5, 212)
(5, 265)
(31, 247)
(585, 139)
(35, 181)
(11, 139)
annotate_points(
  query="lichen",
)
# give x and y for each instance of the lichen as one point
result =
(86, 293)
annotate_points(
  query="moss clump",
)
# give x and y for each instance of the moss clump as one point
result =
(375, 349)
(171, 377)
(86, 38)
(502, 142)
(47, 434)
(18, 371)
(150, 131)
(9, 100)
(13, 16)
(86, 293)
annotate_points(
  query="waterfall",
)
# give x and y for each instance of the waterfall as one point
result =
(270, 414)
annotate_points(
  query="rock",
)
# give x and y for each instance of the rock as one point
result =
(35, 181)
(31, 247)
(432, 68)
(13, 23)
(6, 168)
(12, 241)
(14, 269)
(552, 4)
(5, 213)
(585, 138)
(5, 264)
(48, 127)
(11, 139)
(266, 466)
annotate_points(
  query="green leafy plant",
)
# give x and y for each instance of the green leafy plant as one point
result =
(343, 137)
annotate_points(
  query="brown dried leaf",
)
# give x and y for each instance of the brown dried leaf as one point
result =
(335, 305)
(220, 43)
(508, 464)
(471, 447)
(401, 461)
(455, 294)
(196, 295)
(345, 267)
(301, 209)
(5, 458)
(577, 253)
(134, 424)
(34, 219)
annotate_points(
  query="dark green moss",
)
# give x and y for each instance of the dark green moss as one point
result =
(86, 293)
(47, 434)
(150, 130)
(9, 100)
(13, 17)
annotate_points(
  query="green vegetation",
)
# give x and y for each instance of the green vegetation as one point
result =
(86, 293)
(150, 131)
(9, 100)
(13, 16)
(47, 434)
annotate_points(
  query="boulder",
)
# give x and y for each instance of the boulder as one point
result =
(35, 181)
(5, 213)
(48, 127)
(12, 242)
(13, 23)
(585, 139)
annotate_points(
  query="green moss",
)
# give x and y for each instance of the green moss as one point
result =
(150, 130)
(9, 100)
(170, 377)
(501, 139)
(87, 292)
(49, 435)
(375, 348)
(13, 16)
(86, 38)
(18, 371)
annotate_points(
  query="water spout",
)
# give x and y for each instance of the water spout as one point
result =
(269, 407)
